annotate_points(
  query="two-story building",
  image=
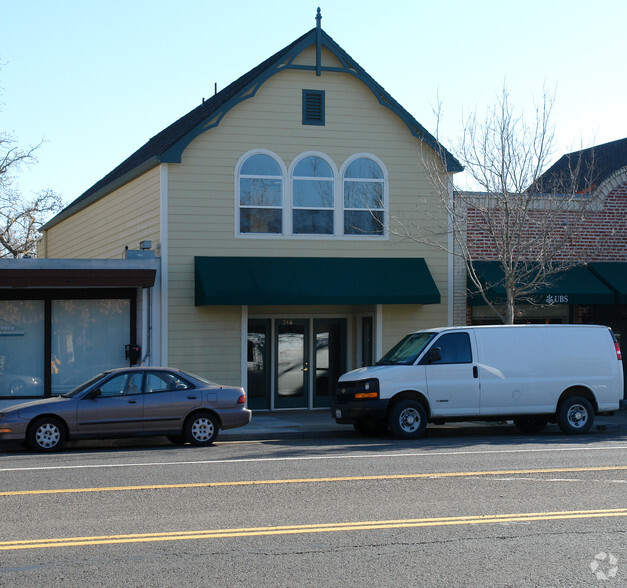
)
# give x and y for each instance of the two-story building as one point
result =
(270, 210)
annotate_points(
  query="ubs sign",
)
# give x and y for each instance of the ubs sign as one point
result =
(557, 299)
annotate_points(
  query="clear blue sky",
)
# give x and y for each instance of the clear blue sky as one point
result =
(96, 80)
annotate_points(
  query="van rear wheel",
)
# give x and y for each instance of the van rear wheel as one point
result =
(407, 419)
(575, 416)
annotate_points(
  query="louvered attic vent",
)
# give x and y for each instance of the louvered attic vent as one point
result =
(313, 107)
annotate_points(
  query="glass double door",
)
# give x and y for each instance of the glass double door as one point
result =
(295, 363)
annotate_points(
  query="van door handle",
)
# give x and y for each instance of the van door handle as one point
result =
(475, 371)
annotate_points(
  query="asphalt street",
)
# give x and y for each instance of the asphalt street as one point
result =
(464, 506)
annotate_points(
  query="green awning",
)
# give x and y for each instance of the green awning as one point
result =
(614, 275)
(313, 280)
(577, 285)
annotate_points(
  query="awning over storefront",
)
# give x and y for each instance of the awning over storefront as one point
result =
(577, 285)
(614, 274)
(313, 280)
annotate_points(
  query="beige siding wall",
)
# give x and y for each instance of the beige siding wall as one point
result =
(123, 218)
(201, 195)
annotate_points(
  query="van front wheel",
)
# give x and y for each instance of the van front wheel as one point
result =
(407, 419)
(575, 416)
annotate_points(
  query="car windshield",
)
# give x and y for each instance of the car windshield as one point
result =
(83, 386)
(407, 350)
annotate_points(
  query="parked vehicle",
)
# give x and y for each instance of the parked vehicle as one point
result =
(129, 402)
(533, 374)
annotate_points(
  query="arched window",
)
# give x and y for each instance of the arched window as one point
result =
(312, 197)
(364, 198)
(260, 195)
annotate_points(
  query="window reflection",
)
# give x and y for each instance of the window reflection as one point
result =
(21, 348)
(312, 203)
(260, 165)
(312, 197)
(260, 195)
(88, 336)
(363, 198)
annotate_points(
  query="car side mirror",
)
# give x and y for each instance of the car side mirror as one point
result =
(95, 393)
(435, 355)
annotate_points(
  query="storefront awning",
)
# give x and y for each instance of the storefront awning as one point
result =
(577, 285)
(614, 274)
(313, 280)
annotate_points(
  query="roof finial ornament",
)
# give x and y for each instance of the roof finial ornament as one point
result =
(318, 17)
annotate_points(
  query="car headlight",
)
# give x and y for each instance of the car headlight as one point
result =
(367, 389)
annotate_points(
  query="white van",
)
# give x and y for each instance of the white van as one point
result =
(533, 374)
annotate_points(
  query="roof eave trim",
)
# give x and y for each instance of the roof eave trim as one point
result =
(174, 153)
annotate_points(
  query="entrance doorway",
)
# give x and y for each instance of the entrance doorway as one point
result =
(294, 363)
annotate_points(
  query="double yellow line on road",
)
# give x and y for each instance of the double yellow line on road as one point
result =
(316, 528)
(312, 480)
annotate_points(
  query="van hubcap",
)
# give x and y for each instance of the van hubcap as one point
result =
(410, 419)
(577, 416)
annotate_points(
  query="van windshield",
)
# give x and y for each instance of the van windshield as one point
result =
(407, 350)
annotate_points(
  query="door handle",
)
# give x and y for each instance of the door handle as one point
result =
(132, 401)
(475, 371)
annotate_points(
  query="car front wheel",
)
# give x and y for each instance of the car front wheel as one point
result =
(201, 429)
(575, 415)
(46, 434)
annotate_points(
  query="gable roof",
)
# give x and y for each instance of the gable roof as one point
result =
(168, 145)
(596, 164)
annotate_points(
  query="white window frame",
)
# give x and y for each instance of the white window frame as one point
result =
(290, 201)
(338, 198)
(385, 232)
(239, 208)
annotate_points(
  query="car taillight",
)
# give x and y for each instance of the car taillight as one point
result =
(619, 355)
(242, 399)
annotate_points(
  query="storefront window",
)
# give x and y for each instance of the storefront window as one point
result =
(21, 348)
(88, 336)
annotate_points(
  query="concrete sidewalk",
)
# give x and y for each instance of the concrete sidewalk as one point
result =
(316, 424)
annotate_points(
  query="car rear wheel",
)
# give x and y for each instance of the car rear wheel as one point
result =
(201, 429)
(575, 416)
(407, 419)
(46, 434)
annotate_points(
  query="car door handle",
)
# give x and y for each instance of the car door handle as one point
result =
(475, 371)
(132, 401)
(192, 398)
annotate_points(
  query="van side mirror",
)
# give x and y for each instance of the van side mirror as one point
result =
(434, 355)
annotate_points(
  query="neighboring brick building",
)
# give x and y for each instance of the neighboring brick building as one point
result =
(596, 292)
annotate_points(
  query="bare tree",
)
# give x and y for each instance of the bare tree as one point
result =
(510, 217)
(20, 218)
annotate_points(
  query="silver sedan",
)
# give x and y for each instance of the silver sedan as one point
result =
(129, 402)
